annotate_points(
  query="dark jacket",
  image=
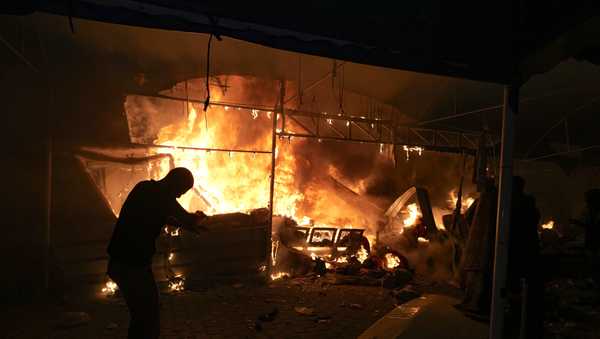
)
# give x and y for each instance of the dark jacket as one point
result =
(143, 216)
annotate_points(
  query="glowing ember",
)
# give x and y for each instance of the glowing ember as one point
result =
(413, 215)
(262, 268)
(175, 233)
(549, 225)
(177, 284)
(391, 261)
(466, 202)
(422, 240)
(279, 275)
(362, 254)
(341, 260)
(171, 256)
(110, 288)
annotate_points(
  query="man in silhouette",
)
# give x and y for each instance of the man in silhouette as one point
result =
(148, 208)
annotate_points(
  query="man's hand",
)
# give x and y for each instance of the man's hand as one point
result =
(200, 217)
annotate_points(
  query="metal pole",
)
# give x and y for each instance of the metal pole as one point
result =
(272, 188)
(47, 215)
(511, 104)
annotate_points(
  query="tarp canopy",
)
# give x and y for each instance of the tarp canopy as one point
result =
(497, 41)
(490, 41)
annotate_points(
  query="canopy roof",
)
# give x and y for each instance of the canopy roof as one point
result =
(497, 41)
(489, 42)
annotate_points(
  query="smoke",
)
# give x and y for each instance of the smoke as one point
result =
(433, 260)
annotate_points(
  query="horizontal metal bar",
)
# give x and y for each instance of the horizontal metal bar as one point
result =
(212, 103)
(201, 148)
(75, 148)
(294, 112)
(447, 149)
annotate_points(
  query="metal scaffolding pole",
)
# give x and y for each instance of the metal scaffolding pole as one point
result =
(511, 106)
(47, 215)
(272, 187)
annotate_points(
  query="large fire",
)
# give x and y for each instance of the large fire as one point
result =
(227, 149)
(213, 171)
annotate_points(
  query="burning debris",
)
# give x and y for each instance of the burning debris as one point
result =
(279, 275)
(391, 261)
(177, 284)
(110, 288)
(549, 225)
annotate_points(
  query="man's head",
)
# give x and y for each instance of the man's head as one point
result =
(518, 184)
(178, 181)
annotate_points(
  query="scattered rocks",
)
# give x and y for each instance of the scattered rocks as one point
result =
(304, 310)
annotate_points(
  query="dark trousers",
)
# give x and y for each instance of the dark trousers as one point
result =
(138, 287)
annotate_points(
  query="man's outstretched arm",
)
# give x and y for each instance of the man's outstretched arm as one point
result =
(188, 221)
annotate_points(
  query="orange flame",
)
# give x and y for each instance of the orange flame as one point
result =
(549, 225)
(110, 288)
(279, 275)
(466, 202)
(413, 215)
(391, 261)
(362, 254)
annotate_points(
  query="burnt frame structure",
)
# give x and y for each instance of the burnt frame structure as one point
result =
(386, 132)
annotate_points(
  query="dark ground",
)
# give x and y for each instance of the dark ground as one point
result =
(232, 310)
(229, 311)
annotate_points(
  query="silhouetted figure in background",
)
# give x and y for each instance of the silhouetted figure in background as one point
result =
(590, 221)
(524, 260)
(148, 208)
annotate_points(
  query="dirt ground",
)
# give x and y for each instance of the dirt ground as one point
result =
(229, 311)
(308, 307)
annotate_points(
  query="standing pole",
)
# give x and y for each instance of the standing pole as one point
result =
(511, 105)
(47, 215)
(272, 187)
